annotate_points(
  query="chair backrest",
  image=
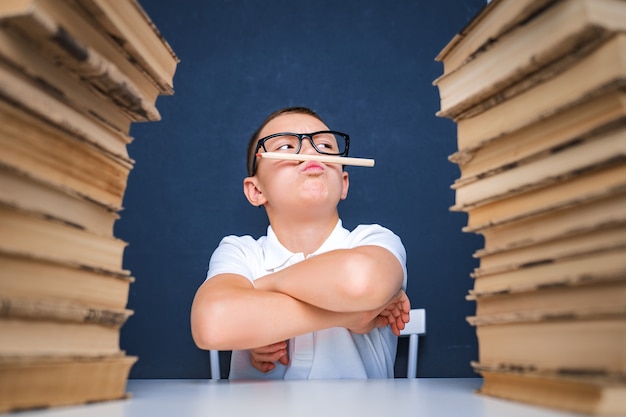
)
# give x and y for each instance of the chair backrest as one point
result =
(415, 327)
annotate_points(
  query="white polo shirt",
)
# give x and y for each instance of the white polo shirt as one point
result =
(329, 353)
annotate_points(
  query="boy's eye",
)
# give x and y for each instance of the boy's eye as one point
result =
(326, 143)
(284, 147)
(282, 144)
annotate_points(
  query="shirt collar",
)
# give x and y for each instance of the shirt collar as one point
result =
(276, 255)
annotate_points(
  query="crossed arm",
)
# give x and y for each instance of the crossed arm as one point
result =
(358, 289)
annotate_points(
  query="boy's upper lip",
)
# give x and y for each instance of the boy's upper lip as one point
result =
(312, 165)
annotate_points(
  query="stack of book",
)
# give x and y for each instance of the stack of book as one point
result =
(537, 90)
(74, 75)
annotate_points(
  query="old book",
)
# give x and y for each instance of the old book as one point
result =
(49, 153)
(542, 138)
(584, 155)
(552, 250)
(20, 54)
(40, 382)
(571, 87)
(493, 21)
(590, 344)
(38, 234)
(55, 310)
(601, 395)
(602, 241)
(592, 296)
(40, 327)
(143, 43)
(604, 264)
(28, 276)
(71, 70)
(19, 189)
(582, 187)
(569, 221)
(78, 36)
(556, 38)
(17, 90)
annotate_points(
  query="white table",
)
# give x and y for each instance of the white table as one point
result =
(427, 397)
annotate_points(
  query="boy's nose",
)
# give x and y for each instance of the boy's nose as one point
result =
(307, 146)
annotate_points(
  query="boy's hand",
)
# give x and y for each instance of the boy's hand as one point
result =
(395, 314)
(264, 358)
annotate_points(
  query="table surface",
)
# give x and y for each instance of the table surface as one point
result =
(428, 397)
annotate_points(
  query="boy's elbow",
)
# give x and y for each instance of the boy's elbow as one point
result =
(201, 337)
(206, 332)
(373, 279)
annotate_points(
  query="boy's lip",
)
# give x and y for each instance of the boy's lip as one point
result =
(312, 166)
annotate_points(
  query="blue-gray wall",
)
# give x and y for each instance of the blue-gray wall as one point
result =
(367, 67)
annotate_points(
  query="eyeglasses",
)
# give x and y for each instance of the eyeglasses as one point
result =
(327, 142)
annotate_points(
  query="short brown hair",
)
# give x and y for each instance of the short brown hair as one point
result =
(255, 136)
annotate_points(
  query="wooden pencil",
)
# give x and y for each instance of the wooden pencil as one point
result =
(330, 159)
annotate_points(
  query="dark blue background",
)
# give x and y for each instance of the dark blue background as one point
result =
(367, 68)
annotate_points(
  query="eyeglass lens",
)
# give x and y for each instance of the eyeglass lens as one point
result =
(326, 143)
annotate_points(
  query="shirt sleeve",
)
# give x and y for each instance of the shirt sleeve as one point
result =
(234, 255)
(377, 235)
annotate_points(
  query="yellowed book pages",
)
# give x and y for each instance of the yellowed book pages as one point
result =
(569, 221)
(591, 395)
(542, 138)
(30, 42)
(27, 276)
(552, 250)
(34, 382)
(48, 327)
(558, 36)
(27, 16)
(143, 42)
(549, 315)
(608, 264)
(48, 337)
(596, 344)
(20, 92)
(21, 190)
(494, 20)
(599, 72)
(581, 188)
(600, 242)
(22, 55)
(50, 154)
(55, 310)
(40, 235)
(592, 153)
(579, 299)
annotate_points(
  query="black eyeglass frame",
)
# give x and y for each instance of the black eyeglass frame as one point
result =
(261, 143)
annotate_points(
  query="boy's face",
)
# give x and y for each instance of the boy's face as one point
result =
(295, 184)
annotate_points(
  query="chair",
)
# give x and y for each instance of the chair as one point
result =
(214, 360)
(415, 327)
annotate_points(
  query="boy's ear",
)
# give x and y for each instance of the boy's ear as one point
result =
(345, 186)
(251, 189)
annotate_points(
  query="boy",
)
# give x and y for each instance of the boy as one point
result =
(311, 299)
